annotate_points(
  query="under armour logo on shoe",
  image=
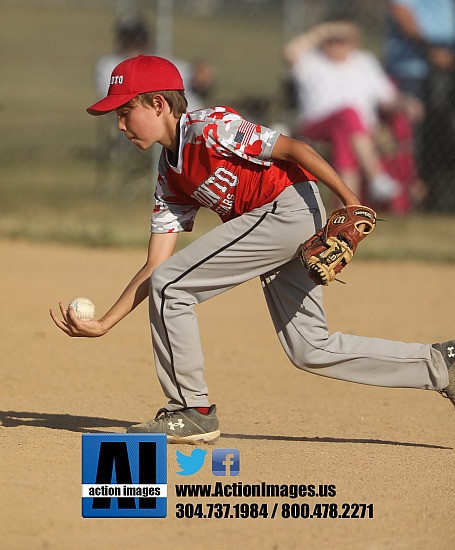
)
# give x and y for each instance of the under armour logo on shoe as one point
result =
(450, 352)
(173, 425)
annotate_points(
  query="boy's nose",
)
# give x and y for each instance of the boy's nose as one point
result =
(121, 124)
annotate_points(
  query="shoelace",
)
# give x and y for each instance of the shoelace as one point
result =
(164, 413)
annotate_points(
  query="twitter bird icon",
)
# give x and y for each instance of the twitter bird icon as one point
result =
(189, 465)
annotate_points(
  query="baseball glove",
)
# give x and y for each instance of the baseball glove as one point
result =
(329, 250)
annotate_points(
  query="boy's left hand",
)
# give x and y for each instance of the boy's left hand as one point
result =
(329, 250)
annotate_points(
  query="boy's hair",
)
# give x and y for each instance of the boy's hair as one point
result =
(175, 98)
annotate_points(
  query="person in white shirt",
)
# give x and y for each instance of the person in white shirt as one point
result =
(340, 89)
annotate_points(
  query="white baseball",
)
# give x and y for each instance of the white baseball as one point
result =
(83, 308)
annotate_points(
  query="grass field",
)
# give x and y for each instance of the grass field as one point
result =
(63, 203)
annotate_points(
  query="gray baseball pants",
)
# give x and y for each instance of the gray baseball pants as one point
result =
(265, 243)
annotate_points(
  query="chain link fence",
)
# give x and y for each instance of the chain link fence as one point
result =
(50, 50)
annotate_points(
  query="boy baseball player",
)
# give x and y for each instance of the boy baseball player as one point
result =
(263, 187)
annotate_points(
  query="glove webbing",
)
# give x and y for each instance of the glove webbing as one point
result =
(324, 264)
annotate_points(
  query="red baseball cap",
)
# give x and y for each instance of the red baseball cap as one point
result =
(137, 75)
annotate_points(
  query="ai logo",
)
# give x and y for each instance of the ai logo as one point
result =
(124, 476)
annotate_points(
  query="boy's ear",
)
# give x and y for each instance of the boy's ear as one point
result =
(159, 103)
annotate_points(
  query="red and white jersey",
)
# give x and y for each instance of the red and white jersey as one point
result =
(222, 163)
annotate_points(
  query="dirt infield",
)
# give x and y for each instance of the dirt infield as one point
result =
(390, 447)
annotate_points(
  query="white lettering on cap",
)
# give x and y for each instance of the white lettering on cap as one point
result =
(117, 79)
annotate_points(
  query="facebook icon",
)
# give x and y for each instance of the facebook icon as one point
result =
(226, 462)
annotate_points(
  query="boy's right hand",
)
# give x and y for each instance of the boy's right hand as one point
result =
(77, 328)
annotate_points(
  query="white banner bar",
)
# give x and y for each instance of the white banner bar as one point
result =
(123, 490)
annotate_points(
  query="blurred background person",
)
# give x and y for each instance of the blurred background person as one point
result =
(341, 90)
(419, 55)
(132, 37)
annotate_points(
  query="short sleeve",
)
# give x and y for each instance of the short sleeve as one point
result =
(169, 216)
(229, 133)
